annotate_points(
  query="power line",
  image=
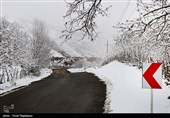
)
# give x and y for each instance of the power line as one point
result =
(124, 11)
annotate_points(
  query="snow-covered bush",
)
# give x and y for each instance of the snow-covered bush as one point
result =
(34, 70)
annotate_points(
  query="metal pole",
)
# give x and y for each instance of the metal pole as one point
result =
(107, 46)
(151, 100)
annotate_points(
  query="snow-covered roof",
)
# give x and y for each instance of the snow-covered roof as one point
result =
(55, 53)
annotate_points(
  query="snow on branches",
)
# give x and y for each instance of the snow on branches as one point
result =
(81, 16)
(149, 34)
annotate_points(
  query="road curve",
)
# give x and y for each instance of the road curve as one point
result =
(59, 93)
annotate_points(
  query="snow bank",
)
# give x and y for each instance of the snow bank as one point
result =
(124, 90)
(7, 87)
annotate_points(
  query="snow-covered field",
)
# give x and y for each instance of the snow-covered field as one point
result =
(125, 92)
(8, 87)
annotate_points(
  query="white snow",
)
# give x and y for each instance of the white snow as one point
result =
(55, 54)
(12, 71)
(68, 50)
(8, 87)
(125, 92)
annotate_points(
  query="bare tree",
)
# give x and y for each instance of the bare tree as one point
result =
(40, 44)
(81, 18)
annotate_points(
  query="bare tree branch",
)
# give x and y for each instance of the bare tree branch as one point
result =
(81, 18)
(160, 8)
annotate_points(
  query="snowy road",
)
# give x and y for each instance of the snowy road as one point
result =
(59, 93)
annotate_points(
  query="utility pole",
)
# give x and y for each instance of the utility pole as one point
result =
(151, 100)
(107, 47)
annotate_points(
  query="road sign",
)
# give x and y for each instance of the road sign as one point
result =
(152, 75)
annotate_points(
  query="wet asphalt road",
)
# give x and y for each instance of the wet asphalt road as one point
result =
(59, 93)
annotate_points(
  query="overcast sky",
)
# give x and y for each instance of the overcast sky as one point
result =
(52, 12)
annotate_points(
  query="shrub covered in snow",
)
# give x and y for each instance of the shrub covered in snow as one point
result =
(34, 70)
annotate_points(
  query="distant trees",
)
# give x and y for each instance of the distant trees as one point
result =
(22, 53)
(40, 44)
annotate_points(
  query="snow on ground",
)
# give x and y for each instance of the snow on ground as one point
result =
(125, 92)
(55, 54)
(6, 87)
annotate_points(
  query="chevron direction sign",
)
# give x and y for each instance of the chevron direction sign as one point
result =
(152, 75)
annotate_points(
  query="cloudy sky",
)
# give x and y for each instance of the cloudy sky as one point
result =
(52, 12)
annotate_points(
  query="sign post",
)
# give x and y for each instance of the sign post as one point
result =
(151, 100)
(152, 78)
